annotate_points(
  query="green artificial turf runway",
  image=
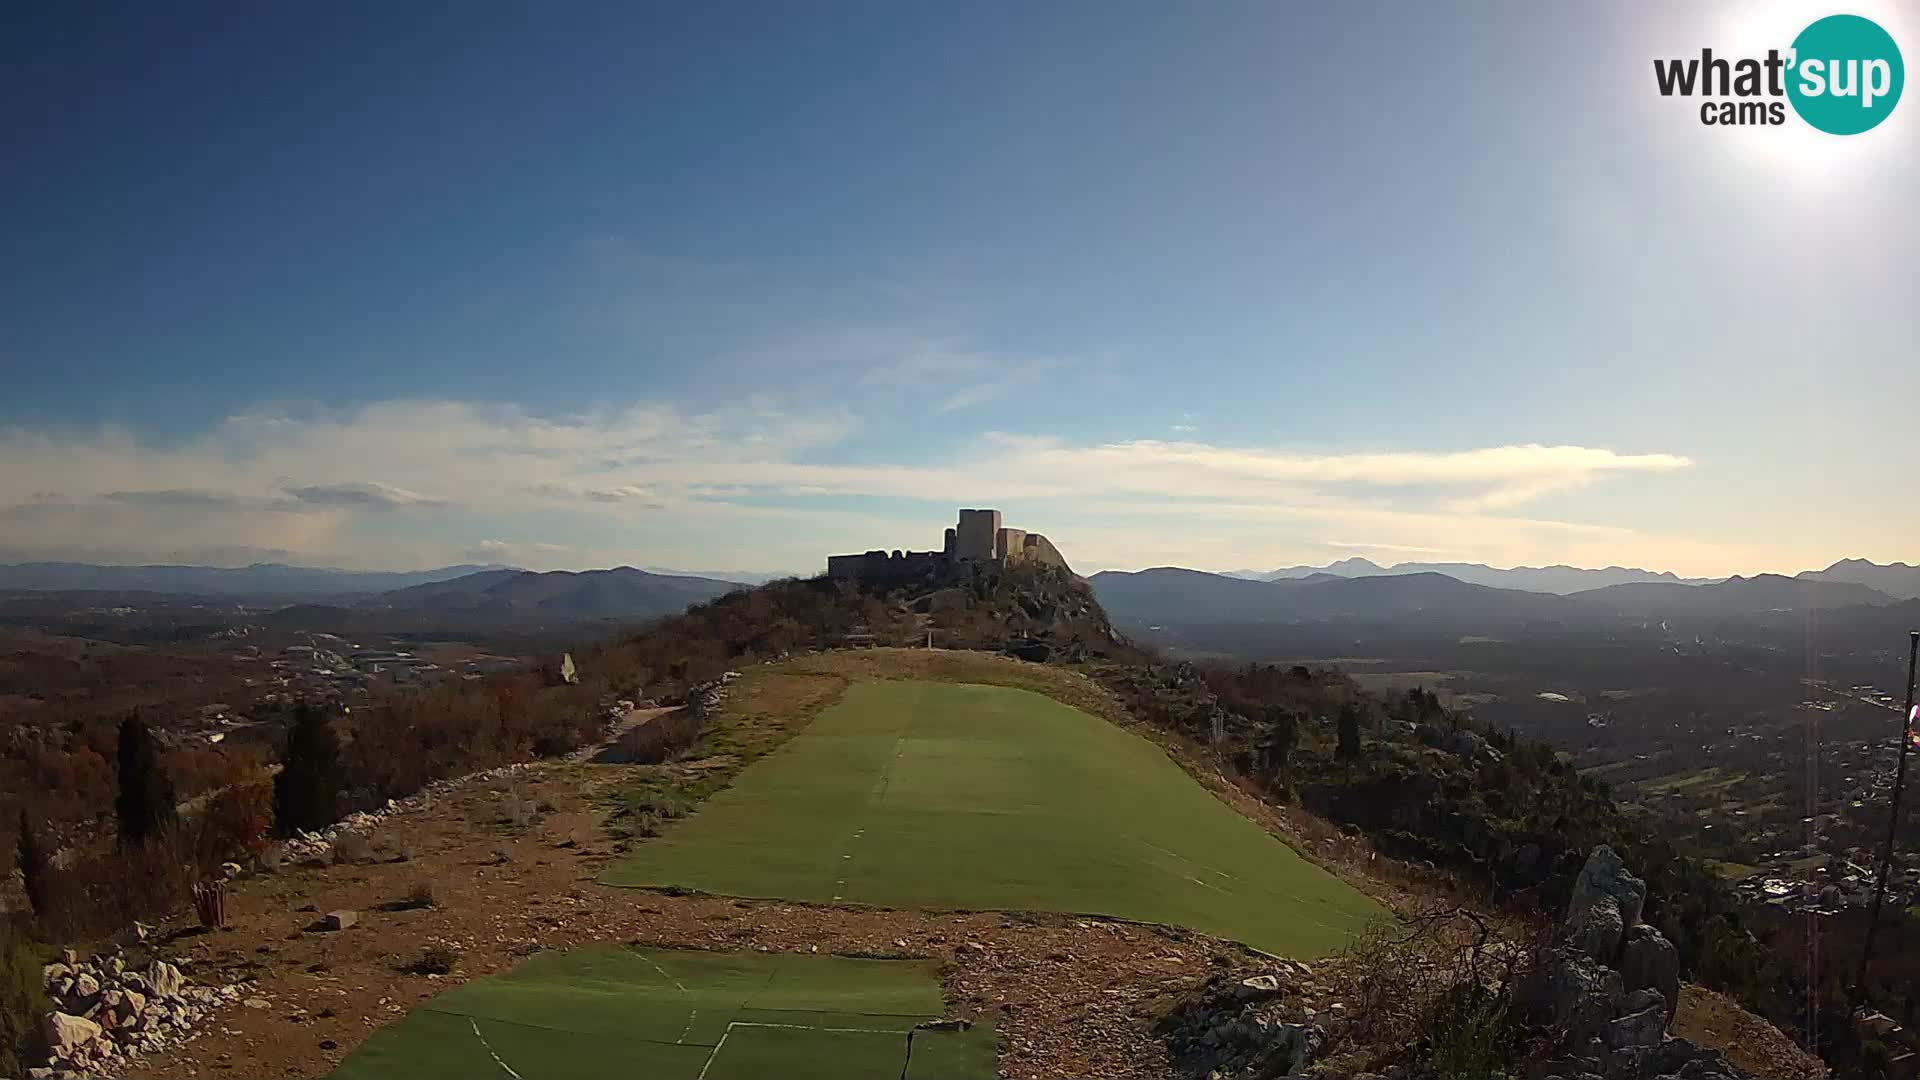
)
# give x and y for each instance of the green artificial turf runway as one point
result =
(661, 1014)
(949, 796)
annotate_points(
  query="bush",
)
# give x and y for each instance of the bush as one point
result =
(23, 1000)
(1470, 1032)
(1440, 991)
(418, 898)
(95, 897)
(435, 959)
(31, 856)
(239, 818)
(353, 848)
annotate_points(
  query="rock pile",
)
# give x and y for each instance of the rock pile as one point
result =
(1610, 987)
(107, 1012)
(1247, 1026)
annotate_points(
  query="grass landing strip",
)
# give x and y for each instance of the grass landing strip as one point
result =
(682, 1015)
(952, 796)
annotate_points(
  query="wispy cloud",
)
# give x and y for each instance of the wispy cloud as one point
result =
(362, 494)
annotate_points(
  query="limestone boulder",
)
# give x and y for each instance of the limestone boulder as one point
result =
(165, 980)
(66, 1034)
(1598, 929)
(1605, 874)
(1644, 1028)
(1575, 993)
(1648, 961)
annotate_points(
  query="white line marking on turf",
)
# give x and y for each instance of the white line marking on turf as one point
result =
(692, 1015)
(791, 1027)
(810, 1027)
(714, 1053)
(663, 973)
(475, 1024)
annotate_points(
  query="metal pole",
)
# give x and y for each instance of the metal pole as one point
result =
(1893, 816)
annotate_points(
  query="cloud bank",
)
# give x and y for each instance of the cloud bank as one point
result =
(416, 482)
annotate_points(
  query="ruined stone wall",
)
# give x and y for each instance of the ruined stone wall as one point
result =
(1009, 544)
(885, 566)
(1038, 549)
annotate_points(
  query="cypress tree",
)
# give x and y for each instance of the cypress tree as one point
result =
(306, 794)
(146, 801)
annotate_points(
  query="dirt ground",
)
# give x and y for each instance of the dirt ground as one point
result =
(1071, 996)
(1712, 1019)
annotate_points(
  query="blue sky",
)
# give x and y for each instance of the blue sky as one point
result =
(730, 286)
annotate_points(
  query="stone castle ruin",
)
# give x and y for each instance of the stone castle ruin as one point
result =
(978, 538)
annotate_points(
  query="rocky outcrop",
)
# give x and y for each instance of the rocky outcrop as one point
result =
(1251, 1026)
(1648, 961)
(1577, 995)
(1605, 877)
(107, 1012)
(1610, 985)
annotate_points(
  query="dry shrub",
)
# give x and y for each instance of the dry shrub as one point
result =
(435, 959)
(95, 896)
(1442, 988)
(353, 848)
(196, 769)
(657, 740)
(239, 818)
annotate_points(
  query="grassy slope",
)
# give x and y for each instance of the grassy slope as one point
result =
(948, 796)
(661, 1013)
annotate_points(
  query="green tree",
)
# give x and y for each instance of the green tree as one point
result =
(146, 803)
(23, 999)
(33, 864)
(1283, 733)
(1349, 731)
(306, 794)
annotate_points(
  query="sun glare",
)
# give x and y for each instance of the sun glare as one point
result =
(1797, 149)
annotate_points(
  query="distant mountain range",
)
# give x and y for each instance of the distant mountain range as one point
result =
(1169, 594)
(621, 593)
(743, 577)
(261, 580)
(1894, 579)
(1545, 579)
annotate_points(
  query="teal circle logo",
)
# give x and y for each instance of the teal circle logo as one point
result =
(1847, 75)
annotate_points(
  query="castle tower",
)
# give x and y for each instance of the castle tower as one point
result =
(977, 535)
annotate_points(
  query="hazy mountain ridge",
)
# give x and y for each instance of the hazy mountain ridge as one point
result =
(258, 580)
(620, 593)
(1558, 578)
(1172, 593)
(1736, 595)
(1894, 579)
(1175, 594)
